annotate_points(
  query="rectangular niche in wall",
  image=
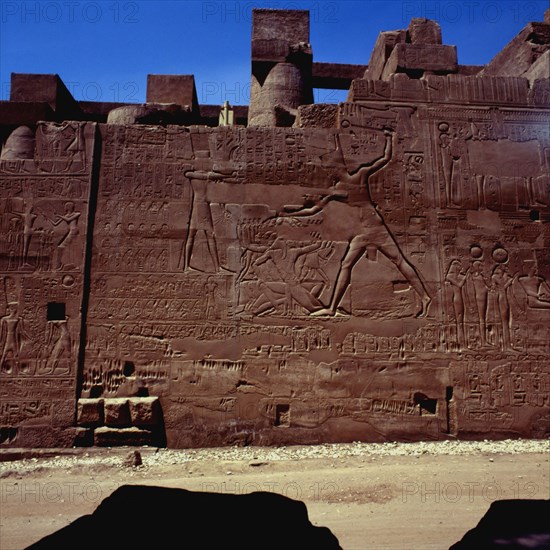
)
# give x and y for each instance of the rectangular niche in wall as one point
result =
(282, 415)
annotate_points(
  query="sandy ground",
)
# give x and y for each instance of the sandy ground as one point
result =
(418, 499)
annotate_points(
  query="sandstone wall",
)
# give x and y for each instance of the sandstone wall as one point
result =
(378, 271)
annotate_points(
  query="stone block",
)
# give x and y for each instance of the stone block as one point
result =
(292, 26)
(521, 52)
(539, 69)
(114, 437)
(424, 31)
(16, 113)
(270, 49)
(144, 411)
(173, 88)
(89, 412)
(321, 115)
(383, 47)
(407, 58)
(44, 88)
(117, 412)
(363, 90)
(539, 94)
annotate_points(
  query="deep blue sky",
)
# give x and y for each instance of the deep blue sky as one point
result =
(103, 50)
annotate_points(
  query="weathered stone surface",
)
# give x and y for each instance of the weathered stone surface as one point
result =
(539, 95)
(383, 47)
(539, 69)
(117, 412)
(22, 113)
(283, 88)
(322, 115)
(19, 145)
(144, 411)
(424, 31)
(177, 89)
(516, 58)
(292, 26)
(281, 66)
(378, 271)
(411, 58)
(44, 88)
(44, 205)
(151, 113)
(113, 437)
(89, 412)
(489, 90)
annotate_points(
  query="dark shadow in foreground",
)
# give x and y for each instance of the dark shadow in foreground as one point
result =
(510, 525)
(137, 516)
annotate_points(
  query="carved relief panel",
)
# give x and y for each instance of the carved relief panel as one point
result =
(268, 278)
(44, 204)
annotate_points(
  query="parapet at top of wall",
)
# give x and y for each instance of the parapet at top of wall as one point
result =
(409, 64)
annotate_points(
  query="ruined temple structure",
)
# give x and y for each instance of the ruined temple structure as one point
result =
(288, 272)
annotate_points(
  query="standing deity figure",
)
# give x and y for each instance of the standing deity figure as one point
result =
(70, 217)
(481, 292)
(11, 333)
(210, 289)
(455, 279)
(501, 281)
(201, 217)
(28, 217)
(59, 340)
(452, 143)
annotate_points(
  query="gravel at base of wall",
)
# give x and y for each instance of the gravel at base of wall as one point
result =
(166, 457)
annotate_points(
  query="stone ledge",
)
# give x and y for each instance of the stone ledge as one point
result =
(107, 437)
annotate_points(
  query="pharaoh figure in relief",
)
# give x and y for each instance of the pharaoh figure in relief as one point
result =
(352, 189)
(369, 271)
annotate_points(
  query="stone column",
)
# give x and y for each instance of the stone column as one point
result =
(281, 66)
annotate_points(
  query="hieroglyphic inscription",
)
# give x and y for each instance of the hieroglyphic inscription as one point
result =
(390, 241)
(502, 395)
(43, 219)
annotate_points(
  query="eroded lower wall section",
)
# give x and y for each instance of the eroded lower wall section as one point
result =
(384, 280)
(44, 209)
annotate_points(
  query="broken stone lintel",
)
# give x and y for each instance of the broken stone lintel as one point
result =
(335, 76)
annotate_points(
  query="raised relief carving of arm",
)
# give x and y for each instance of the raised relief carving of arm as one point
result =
(301, 211)
(300, 251)
(255, 247)
(214, 175)
(317, 207)
(262, 259)
(195, 175)
(370, 168)
(510, 280)
(2, 330)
